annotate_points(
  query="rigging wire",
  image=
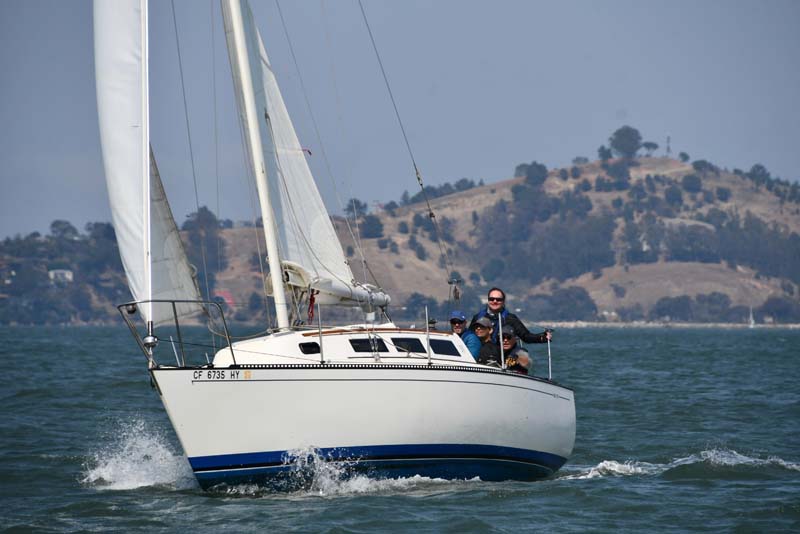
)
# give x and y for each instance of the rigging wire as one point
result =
(329, 170)
(294, 218)
(442, 249)
(249, 182)
(340, 126)
(216, 136)
(216, 129)
(191, 151)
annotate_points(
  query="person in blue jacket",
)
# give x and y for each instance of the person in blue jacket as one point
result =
(458, 324)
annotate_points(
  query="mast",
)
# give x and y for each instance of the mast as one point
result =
(145, 163)
(239, 63)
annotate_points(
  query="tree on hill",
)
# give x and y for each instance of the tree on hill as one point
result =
(371, 227)
(692, 183)
(684, 157)
(759, 174)
(673, 195)
(355, 208)
(625, 142)
(416, 303)
(702, 166)
(536, 174)
(781, 309)
(723, 194)
(621, 175)
(206, 250)
(673, 308)
(692, 244)
(493, 269)
(63, 230)
(650, 147)
(604, 153)
(391, 207)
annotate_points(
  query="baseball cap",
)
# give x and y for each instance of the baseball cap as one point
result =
(484, 321)
(458, 315)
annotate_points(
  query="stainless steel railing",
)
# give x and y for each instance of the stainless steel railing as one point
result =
(148, 342)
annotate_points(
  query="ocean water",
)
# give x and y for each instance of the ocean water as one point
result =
(694, 430)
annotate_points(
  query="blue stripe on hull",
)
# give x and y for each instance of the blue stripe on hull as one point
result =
(277, 468)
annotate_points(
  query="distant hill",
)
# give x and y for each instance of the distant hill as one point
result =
(617, 240)
(630, 240)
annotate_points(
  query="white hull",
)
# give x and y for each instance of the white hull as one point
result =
(452, 421)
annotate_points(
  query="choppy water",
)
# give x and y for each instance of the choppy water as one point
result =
(678, 430)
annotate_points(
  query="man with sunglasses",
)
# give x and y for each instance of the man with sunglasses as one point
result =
(489, 353)
(517, 358)
(458, 324)
(496, 311)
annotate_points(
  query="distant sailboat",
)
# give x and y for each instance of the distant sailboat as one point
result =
(391, 401)
(752, 322)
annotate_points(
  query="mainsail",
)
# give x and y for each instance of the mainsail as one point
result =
(309, 245)
(152, 253)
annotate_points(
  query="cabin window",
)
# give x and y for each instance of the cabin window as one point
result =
(444, 347)
(309, 348)
(408, 344)
(366, 345)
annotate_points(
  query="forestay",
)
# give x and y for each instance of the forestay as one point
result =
(152, 253)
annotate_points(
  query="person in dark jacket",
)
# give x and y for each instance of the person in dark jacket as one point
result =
(496, 310)
(489, 353)
(517, 358)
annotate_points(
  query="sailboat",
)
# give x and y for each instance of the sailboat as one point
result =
(381, 399)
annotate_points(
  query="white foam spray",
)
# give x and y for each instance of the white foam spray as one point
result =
(137, 456)
(320, 476)
(712, 457)
(335, 478)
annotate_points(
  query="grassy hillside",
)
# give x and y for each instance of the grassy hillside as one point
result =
(621, 239)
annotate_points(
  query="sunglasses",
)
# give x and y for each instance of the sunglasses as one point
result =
(496, 299)
(456, 321)
(508, 338)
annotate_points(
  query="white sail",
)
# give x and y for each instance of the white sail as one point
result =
(309, 245)
(139, 208)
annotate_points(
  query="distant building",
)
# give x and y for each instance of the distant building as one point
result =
(62, 276)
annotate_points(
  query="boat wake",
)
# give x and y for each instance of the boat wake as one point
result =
(704, 463)
(137, 457)
(315, 475)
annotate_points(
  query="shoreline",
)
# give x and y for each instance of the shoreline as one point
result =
(531, 325)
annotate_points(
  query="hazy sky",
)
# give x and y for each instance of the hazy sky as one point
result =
(481, 86)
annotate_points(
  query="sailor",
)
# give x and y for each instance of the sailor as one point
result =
(458, 325)
(517, 359)
(496, 310)
(489, 353)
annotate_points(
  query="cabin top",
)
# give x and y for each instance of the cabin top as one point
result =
(351, 344)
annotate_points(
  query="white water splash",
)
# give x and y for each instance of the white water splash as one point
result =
(320, 476)
(329, 478)
(614, 468)
(713, 457)
(138, 457)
